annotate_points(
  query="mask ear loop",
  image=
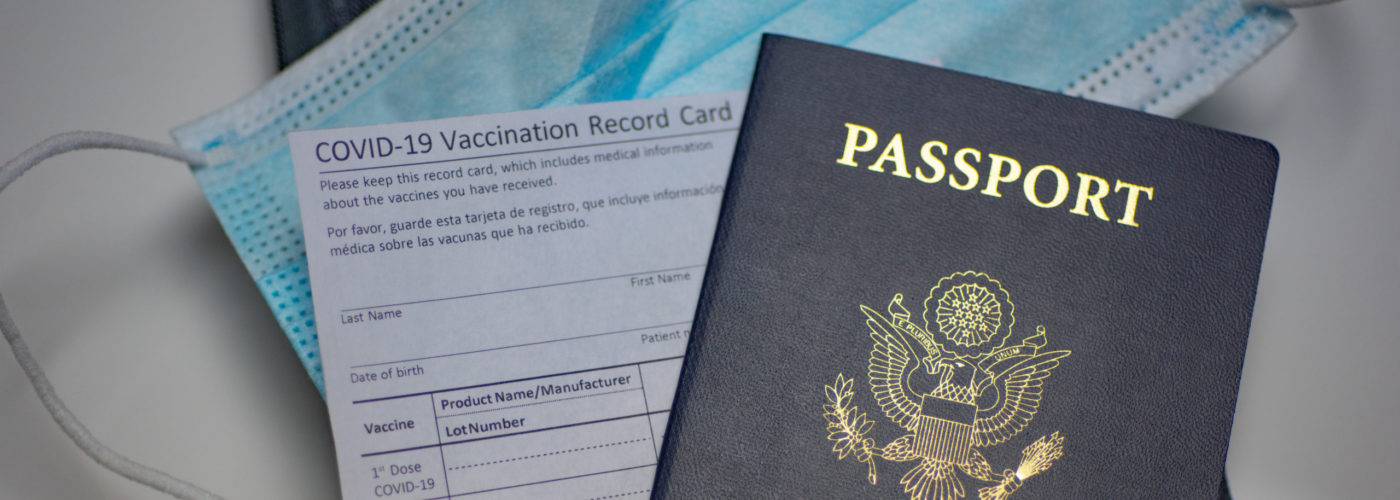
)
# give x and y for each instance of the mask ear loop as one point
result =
(135, 471)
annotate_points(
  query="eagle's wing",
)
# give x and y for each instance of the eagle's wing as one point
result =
(1021, 388)
(890, 362)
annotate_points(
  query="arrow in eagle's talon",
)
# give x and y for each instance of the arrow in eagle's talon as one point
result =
(1010, 481)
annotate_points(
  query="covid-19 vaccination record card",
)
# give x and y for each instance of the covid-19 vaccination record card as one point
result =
(503, 300)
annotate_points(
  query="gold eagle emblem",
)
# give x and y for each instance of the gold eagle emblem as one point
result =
(955, 386)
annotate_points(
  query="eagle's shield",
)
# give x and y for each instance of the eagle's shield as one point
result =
(944, 431)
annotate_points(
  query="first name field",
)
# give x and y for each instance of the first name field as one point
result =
(428, 142)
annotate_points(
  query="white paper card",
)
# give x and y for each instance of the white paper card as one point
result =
(503, 300)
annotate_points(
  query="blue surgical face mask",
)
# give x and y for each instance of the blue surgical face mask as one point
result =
(421, 59)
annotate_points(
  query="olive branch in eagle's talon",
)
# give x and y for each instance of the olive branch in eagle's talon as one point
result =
(847, 425)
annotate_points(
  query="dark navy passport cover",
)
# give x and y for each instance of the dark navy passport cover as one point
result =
(931, 285)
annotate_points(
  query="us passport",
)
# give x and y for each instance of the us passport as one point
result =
(931, 285)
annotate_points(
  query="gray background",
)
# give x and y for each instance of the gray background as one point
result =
(133, 300)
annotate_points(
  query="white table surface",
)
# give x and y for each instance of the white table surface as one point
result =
(132, 298)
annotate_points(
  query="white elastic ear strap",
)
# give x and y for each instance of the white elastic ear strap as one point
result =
(62, 143)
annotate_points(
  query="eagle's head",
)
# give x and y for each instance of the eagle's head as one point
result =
(956, 379)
